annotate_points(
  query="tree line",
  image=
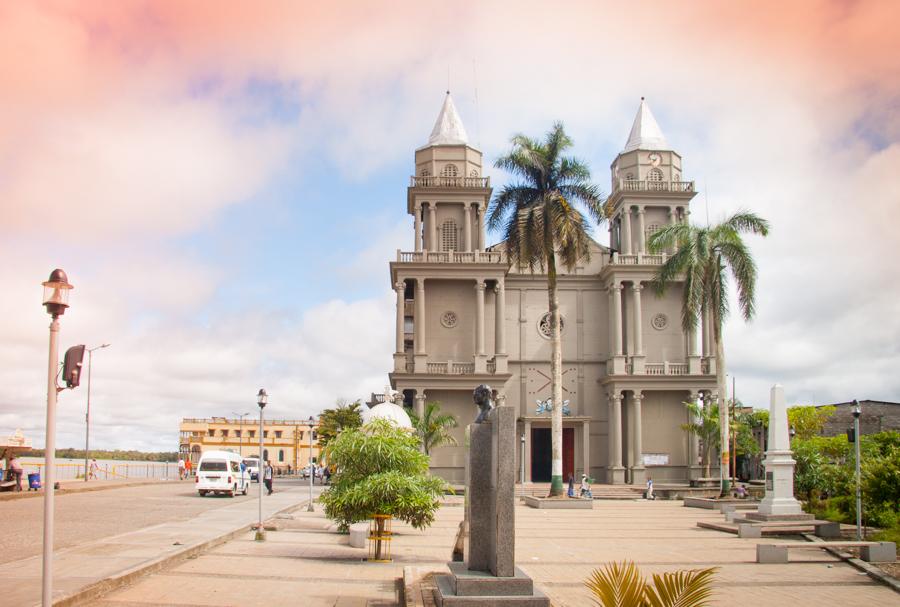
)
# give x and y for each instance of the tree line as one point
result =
(130, 455)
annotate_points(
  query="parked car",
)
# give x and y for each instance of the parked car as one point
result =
(220, 472)
(251, 464)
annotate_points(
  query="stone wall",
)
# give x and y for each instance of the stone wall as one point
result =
(877, 416)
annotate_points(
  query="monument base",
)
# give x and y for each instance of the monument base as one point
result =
(466, 588)
(765, 517)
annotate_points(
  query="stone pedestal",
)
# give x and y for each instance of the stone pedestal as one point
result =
(480, 363)
(489, 576)
(779, 500)
(420, 363)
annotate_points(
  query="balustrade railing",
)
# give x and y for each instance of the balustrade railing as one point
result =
(643, 185)
(449, 257)
(664, 368)
(491, 366)
(639, 259)
(439, 181)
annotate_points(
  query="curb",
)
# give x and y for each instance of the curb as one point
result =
(63, 490)
(114, 582)
(871, 570)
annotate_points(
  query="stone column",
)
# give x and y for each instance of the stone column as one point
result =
(637, 447)
(467, 208)
(586, 446)
(417, 209)
(693, 358)
(637, 320)
(420, 402)
(480, 357)
(420, 357)
(617, 318)
(626, 230)
(481, 241)
(400, 287)
(642, 236)
(615, 472)
(500, 357)
(695, 470)
(527, 452)
(432, 227)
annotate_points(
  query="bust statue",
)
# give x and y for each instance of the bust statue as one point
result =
(483, 396)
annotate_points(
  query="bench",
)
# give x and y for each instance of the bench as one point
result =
(359, 533)
(825, 529)
(871, 552)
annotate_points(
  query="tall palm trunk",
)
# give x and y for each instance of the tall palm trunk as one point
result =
(723, 410)
(556, 479)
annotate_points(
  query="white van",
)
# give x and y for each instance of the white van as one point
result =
(251, 465)
(220, 472)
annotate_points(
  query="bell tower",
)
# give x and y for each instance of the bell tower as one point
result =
(648, 187)
(448, 194)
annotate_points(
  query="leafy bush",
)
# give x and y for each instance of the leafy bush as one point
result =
(380, 470)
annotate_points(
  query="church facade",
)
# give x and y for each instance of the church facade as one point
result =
(464, 317)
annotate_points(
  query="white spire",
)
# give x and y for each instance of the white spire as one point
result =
(448, 129)
(645, 132)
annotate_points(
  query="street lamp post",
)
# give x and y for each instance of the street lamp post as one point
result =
(87, 414)
(856, 414)
(56, 298)
(312, 473)
(261, 399)
(241, 417)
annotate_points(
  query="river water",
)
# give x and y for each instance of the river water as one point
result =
(109, 469)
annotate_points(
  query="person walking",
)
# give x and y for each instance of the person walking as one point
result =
(94, 470)
(267, 477)
(181, 469)
(16, 469)
(188, 468)
(586, 487)
(649, 495)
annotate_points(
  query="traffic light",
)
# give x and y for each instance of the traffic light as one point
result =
(72, 366)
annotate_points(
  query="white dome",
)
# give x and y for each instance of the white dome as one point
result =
(388, 411)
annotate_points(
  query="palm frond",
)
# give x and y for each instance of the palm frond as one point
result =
(681, 588)
(617, 585)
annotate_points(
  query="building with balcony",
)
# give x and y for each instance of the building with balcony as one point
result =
(286, 442)
(464, 317)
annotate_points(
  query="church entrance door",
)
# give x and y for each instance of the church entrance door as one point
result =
(542, 454)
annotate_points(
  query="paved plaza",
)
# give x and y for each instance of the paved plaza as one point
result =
(305, 562)
(109, 534)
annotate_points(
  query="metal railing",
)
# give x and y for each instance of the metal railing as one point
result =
(438, 181)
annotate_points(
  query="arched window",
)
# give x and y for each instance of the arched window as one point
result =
(424, 173)
(655, 180)
(629, 176)
(449, 240)
(473, 173)
(449, 170)
(281, 455)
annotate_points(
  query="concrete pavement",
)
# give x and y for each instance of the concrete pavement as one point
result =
(305, 561)
(94, 567)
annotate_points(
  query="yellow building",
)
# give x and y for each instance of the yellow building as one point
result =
(286, 442)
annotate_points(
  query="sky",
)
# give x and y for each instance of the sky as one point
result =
(224, 183)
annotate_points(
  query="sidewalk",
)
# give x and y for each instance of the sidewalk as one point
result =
(88, 569)
(304, 561)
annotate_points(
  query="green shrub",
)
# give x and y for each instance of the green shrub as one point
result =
(380, 470)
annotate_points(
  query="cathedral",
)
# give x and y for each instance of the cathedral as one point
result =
(464, 318)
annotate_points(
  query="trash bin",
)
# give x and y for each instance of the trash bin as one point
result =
(34, 481)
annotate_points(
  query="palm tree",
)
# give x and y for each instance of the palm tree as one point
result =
(705, 426)
(433, 427)
(542, 226)
(702, 258)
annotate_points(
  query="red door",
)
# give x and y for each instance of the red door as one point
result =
(568, 453)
